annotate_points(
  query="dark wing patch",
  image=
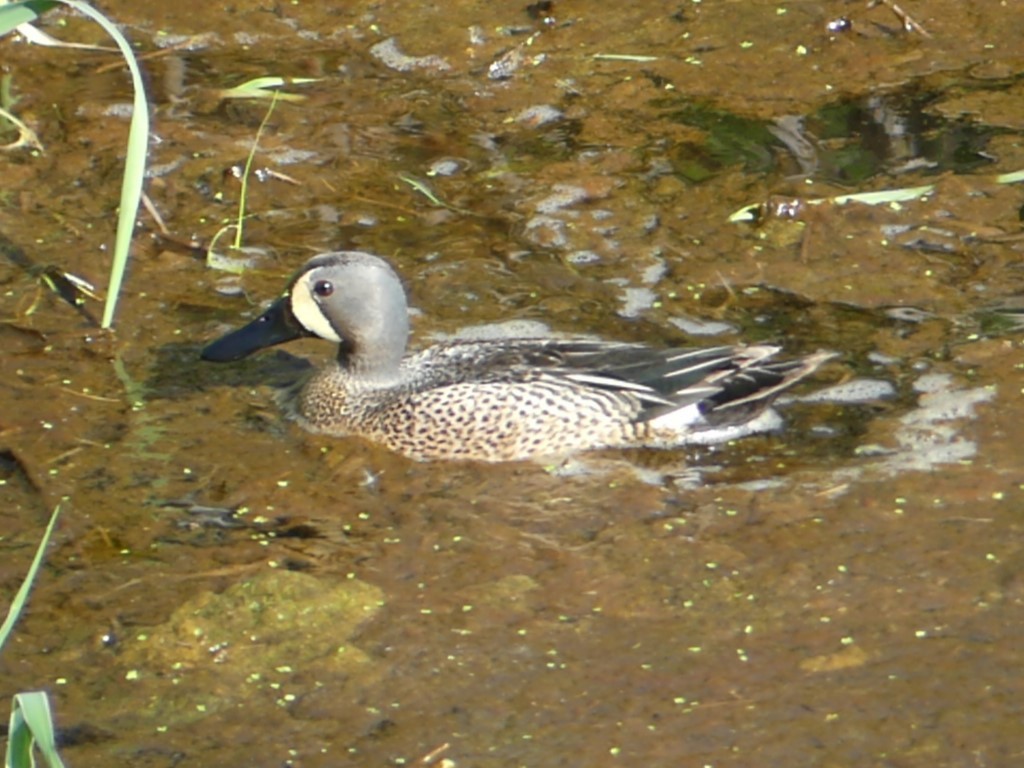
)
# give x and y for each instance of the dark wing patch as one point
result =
(729, 383)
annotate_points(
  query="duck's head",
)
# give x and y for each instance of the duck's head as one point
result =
(352, 298)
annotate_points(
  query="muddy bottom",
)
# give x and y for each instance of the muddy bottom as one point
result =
(226, 589)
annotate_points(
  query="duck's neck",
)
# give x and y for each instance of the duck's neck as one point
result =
(377, 352)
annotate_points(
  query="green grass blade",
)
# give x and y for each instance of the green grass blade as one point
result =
(135, 161)
(267, 87)
(19, 740)
(18, 604)
(13, 15)
(245, 174)
(31, 725)
(1010, 178)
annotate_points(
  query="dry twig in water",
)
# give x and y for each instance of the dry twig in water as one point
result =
(908, 23)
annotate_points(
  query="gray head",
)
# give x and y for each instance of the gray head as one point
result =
(352, 298)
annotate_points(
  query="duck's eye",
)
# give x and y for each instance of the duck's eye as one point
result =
(323, 288)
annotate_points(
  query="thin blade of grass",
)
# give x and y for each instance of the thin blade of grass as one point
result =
(243, 197)
(18, 604)
(135, 161)
(26, 136)
(36, 36)
(13, 15)
(267, 87)
(1010, 178)
(31, 725)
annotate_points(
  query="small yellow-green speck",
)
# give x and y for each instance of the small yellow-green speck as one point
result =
(801, 50)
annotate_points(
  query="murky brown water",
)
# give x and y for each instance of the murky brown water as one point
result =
(844, 593)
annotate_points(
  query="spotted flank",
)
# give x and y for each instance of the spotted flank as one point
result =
(501, 399)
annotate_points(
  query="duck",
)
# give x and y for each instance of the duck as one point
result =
(504, 399)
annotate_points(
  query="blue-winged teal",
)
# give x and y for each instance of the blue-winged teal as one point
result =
(501, 399)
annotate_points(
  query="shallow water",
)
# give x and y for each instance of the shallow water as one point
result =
(843, 593)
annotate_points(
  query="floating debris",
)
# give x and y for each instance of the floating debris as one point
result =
(541, 114)
(506, 65)
(623, 57)
(477, 36)
(546, 232)
(562, 196)
(793, 208)
(839, 26)
(446, 166)
(853, 392)
(909, 25)
(636, 301)
(388, 54)
(582, 258)
(694, 326)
